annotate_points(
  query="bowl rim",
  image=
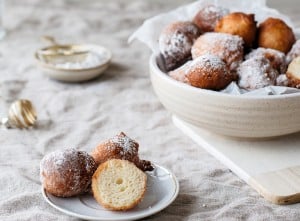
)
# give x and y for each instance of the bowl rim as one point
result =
(161, 74)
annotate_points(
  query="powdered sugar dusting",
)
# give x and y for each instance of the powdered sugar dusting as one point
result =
(216, 10)
(282, 80)
(294, 52)
(226, 46)
(208, 16)
(62, 158)
(256, 73)
(276, 58)
(171, 44)
(128, 146)
(120, 147)
(207, 61)
(69, 169)
(177, 38)
(93, 59)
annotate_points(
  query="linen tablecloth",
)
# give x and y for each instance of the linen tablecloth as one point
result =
(82, 115)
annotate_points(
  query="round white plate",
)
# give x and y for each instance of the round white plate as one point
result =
(162, 190)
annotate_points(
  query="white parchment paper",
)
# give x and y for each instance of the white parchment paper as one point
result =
(149, 32)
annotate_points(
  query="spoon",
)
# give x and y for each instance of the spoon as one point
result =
(57, 49)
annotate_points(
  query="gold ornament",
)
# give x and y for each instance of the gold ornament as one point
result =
(21, 114)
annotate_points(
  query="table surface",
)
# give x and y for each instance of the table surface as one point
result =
(82, 115)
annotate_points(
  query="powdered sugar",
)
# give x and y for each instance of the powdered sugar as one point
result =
(282, 80)
(207, 62)
(68, 169)
(213, 9)
(228, 47)
(62, 158)
(209, 72)
(256, 73)
(128, 146)
(92, 59)
(120, 147)
(171, 44)
(294, 52)
(177, 38)
(276, 58)
(208, 16)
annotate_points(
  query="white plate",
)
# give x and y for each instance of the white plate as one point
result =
(162, 190)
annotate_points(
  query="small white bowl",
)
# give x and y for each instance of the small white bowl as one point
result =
(75, 74)
(231, 115)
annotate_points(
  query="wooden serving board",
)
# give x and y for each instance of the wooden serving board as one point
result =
(270, 166)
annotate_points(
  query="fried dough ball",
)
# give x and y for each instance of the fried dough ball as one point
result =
(256, 73)
(208, 16)
(276, 58)
(66, 173)
(226, 46)
(208, 72)
(240, 24)
(120, 147)
(175, 43)
(294, 52)
(276, 34)
(293, 73)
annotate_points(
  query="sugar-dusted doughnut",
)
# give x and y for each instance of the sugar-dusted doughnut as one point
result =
(226, 46)
(276, 58)
(120, 147)
(208, 72)
(207, 17)
(256, 73)
(66, 173)
(175, 43)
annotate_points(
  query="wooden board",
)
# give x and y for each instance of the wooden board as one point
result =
(270, 166)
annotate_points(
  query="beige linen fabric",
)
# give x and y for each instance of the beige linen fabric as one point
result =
(82, 115)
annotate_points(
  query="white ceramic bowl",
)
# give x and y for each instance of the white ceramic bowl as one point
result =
(232, 115)
(76, 75)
